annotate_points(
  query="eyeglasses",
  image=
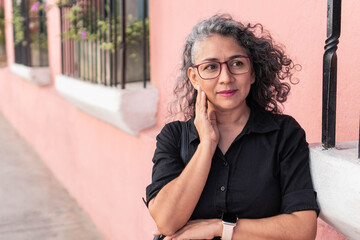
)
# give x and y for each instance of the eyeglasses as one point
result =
(212, 69)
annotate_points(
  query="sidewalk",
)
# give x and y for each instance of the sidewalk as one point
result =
(33, 205)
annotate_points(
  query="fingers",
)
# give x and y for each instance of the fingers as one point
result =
(205, 119)
(201, 101)
(198, 99)
(198, 95)
(196, 229)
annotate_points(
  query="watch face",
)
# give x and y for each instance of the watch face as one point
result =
(229, 217)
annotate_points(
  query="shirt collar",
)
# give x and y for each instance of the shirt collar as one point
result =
(260, 121)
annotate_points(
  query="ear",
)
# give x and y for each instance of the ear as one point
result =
(252, 77)
(192, 76)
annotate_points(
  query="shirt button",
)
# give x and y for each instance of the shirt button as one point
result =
(222, 188)
(225, 163)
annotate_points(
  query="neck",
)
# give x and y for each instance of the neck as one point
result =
(232, 117)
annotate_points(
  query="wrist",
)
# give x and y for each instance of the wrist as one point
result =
(208, 146)
(219, 228)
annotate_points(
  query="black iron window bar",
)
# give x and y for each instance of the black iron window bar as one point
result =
(86, 59)
(32, 49)
(330, 75)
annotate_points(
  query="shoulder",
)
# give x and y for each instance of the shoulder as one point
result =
(291, 134)
(286, 122)
(172, 130)
(285, 126)
(168, 141)
(266, 121)
(175, 127)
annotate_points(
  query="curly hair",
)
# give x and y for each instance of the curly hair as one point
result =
(269, 63)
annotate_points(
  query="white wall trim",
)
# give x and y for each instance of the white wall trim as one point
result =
(336, 177)
(132, 109)
(38, 75)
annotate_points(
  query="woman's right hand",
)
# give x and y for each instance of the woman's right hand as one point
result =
(174, 204)
(205, 120)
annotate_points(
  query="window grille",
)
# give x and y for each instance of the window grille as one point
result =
(30, 33)
(105, 41)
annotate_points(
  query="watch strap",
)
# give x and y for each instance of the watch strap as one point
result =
(228, 229)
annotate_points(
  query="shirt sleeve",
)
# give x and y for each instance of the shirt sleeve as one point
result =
(295, 180)
(167, 160)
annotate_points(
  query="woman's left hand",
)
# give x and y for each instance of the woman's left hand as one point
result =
(198, 229)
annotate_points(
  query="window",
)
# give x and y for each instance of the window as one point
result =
(105, 45)
(30, 33)
(93, 47)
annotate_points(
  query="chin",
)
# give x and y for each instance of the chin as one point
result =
(231, 106)
(227, 107)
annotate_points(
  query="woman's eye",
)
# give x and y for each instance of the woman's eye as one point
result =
(209, 67)
(237, 63)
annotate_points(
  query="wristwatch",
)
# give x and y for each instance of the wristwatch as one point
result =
(229, 222)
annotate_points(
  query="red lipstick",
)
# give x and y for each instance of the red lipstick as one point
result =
(227, 93)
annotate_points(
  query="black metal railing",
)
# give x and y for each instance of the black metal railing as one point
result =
(30, 34)
(2, 29)
(330, 75)
(103, 43)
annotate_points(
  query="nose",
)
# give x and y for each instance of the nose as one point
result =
(225, 75)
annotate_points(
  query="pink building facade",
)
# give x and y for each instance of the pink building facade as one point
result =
(105, 168)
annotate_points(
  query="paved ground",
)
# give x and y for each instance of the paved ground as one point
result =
(33, 205)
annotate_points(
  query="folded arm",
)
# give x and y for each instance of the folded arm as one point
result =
(299, 225)
(173, 205)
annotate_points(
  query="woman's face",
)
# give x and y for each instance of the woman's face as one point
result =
(227, 91)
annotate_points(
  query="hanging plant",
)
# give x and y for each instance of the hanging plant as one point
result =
(2, 26)
(36, 9)
(18, 22)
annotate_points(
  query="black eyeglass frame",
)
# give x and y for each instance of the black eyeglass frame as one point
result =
(221, 63)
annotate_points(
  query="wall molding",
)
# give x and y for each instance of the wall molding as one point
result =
(336, 177)
(132, 109)
(38, 75)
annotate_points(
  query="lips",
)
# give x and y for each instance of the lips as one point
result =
(227, 93)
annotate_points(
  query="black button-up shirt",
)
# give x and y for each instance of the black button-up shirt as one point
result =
(265, 171)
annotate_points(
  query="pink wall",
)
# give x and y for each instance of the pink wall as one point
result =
(107, 170)
(9, 32)
(53, 23)
(299, 25)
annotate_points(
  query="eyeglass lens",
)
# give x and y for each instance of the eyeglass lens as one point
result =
(235, 66)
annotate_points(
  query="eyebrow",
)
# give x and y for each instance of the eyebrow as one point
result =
(216, 59)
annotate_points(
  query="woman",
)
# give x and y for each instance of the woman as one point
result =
(246, 174)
